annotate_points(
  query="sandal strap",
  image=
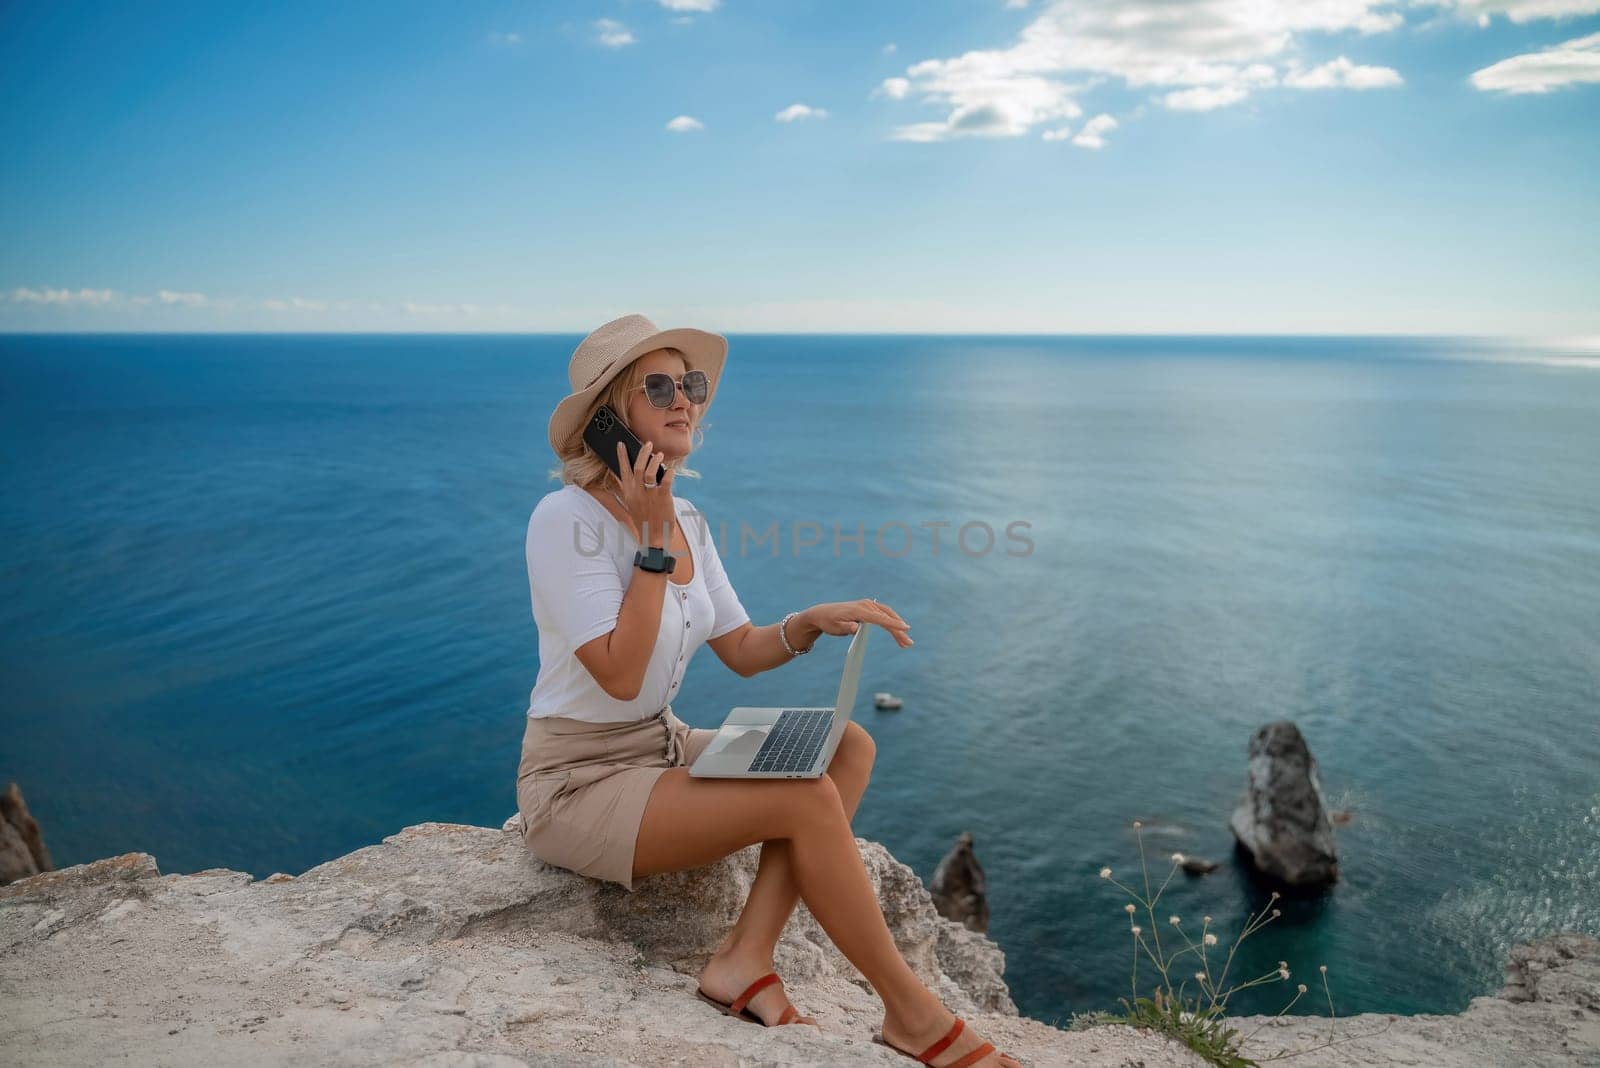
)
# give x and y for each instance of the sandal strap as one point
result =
(974, 1057)
(789, 1013)
(752, 990)
(927, 1055)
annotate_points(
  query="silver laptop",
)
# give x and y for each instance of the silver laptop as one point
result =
(784, 743)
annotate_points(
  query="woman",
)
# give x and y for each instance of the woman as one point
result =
(626, 584)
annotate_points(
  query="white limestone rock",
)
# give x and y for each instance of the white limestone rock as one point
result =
(449, 945)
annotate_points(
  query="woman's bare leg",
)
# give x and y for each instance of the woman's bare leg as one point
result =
(774, 893)
(689, 823)
(747, 951)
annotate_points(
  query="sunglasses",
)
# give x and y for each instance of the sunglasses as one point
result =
(661, 387)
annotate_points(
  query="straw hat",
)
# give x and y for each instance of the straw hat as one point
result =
(603, 355)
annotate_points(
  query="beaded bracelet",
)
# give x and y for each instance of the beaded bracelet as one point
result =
(784, 638)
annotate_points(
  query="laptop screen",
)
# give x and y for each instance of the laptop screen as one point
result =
(845, 705)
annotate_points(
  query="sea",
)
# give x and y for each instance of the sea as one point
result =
(265, 602)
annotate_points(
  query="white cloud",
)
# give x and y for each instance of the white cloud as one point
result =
(295, 304)
(998, 118)
(1016, 3)
(698, 6)
(1568, 63)
(411, 307)
(507, 39)
(1340, 73)
(893, 88)
(922, 132)
(188, 300)
(47, 295)
(173, 306)
(988, 96)
(685, 124)
(1518, 10)
(1060, 133)
(800, 111)
(1092, 134)
(890, 48)
(1210, 97)
(613, 34)
(1205, 97)
(1204, 53)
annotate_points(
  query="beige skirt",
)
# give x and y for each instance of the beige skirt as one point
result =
(582, 786)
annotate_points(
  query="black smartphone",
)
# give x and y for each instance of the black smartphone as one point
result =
(602, 435)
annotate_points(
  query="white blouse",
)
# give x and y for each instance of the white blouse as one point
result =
(580, 562)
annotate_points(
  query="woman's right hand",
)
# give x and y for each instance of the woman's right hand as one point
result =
(652, 510)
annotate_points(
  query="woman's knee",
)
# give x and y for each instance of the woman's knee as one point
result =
(857, 745)
(811, 803)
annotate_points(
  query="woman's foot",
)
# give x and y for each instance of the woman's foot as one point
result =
(725, 977)
(912, 1036)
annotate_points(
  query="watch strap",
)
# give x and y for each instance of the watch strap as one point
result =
(655, 559)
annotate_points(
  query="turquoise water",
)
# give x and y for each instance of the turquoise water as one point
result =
(265, 602)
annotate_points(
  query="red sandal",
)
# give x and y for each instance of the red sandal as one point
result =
(736, 1007)
(927, 1055)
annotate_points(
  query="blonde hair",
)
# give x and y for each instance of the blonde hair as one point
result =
(579, 464)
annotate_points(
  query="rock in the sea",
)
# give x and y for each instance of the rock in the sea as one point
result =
(22, 849)
(15, 860)
(1198, 865)
(1281, 822)
(958, 887)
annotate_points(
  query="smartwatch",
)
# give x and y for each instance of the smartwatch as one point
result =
(656, 560)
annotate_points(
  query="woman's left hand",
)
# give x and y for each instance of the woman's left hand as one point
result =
(846, 617)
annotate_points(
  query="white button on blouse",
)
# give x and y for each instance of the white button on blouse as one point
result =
(580, 563)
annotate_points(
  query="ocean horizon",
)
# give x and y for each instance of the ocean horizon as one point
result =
(266, 603)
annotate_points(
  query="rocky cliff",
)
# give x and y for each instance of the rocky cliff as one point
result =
(449, 945)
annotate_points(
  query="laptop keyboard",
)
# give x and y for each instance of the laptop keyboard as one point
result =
(794, 741)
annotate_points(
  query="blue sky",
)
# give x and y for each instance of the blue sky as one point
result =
(1091, 166)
